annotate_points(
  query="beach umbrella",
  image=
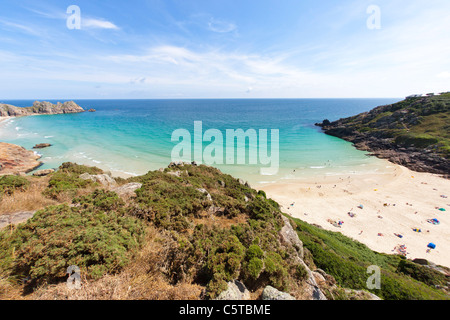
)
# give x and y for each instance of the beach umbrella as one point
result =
(441, 209)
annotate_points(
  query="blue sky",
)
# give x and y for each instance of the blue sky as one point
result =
(223, 49)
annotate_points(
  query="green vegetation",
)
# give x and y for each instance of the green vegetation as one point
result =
(421, 122)
(209, 228)
(347, 261)
(66, 181)
(9, 184)
(208, 254)
(57, 237)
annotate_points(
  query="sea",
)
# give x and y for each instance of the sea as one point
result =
(132, 137)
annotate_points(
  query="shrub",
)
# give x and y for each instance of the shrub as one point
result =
(9, 184)
(66, 180)
(59, 236)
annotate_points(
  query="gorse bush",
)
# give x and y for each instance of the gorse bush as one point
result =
(66, 180)
(182, 197)
(9, 184)
(56, 237)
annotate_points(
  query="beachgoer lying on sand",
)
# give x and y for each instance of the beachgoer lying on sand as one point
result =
(398, 235)
(351, 214)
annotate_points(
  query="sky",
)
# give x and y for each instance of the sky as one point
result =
(176, 49)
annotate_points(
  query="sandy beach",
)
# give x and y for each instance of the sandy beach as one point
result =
(385, 209)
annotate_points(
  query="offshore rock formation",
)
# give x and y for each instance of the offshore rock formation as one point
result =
(7, 110)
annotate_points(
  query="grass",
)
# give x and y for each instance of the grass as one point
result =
(347, 261)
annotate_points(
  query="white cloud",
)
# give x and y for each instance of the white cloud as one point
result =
(97, 24)
(221, 26)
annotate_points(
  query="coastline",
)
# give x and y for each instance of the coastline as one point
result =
(395, 202)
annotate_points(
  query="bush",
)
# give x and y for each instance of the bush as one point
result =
(60, 236)
(9, 184)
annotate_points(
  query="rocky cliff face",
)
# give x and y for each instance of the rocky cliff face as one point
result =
(38, 107)
(413, 133)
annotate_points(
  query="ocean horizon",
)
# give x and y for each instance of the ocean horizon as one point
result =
(134, 136)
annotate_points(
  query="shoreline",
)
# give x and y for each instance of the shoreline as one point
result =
(392, 203)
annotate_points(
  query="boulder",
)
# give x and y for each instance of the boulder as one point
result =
(103, 179)
(15, 218)
(127, 190)
(236, 291)
(270, 293)
(41, 173)
(208, 196)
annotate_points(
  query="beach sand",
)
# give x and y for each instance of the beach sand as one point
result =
(394, 202)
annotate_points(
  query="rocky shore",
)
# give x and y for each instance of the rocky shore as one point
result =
(16, 159)
(411, 133)
(7, 110)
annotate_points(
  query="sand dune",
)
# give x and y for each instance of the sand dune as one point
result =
(394, 202)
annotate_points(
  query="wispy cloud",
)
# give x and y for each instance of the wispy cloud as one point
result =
(221, 26)
(20, 27)
(98, 24)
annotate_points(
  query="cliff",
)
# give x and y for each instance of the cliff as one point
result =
(7, 110)
(413, 132)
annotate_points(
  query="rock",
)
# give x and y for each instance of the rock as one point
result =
(92, 110)
(361, 295)
(289, 237)
(423, 262)
(15, 218)
(127, 190)
(175, 173)
(42, 146)
(236, 291)
(208, 196)
(41, 173)
(270, 293)
(103, 179)
(16, 159)
(38, 107)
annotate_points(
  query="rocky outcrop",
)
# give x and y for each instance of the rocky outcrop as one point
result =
(270, 293)
(42, 145)
(15, 159)
(236, 291)
(7, 110)
(103, 179)
(127, 190)
(41, 173)
(15, 218)
(400, 133)
(289, 239)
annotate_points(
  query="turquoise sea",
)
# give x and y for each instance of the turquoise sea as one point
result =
(131, 137)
